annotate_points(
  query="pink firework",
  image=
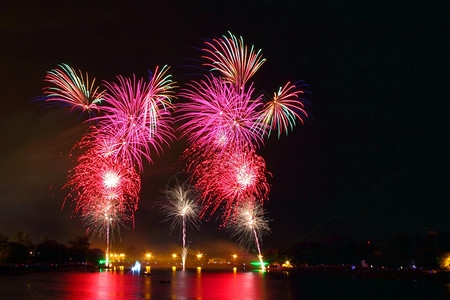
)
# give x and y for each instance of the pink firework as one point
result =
(225, 124)
(218, 115)
(233, 59)
(98, 179)
(137, 119)
(227, 179)
(72, 90)
(285, 108)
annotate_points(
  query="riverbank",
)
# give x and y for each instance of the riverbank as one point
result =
(340, 270)
(7, 269)
(371, 272)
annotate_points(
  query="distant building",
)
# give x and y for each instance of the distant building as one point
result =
(216, 260)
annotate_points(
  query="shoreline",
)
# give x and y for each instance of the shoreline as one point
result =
(411, 274)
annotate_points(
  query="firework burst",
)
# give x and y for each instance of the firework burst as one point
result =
(137, 119)
(227, 179)
(98, 179)
(281, 113)
(181, 210)
(225, 124)
(104, 193)
(249, 225)
(105, 218)
(72, 90)
(218, 115)
(231, 57)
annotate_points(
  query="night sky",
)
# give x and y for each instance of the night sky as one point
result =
(371, 162)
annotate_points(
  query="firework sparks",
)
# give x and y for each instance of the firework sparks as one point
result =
(97, 178)
(105, 215)
(228, 179)
(181, 210)
(73, 90)
(223, 119)
(281, 113)
(137, 119)
(249, 225)
(232, 59)
(225, 124)
(219, 115)
(104, 219)
(105, 194)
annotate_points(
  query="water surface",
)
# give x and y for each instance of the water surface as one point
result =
(191, 284)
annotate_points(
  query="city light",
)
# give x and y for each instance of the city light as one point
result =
(445, 262)
(287, 264)
(136, 267)
(258, 263)
(115, 257)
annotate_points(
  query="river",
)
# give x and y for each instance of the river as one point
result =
(192, 284)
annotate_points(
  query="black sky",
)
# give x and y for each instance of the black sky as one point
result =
(372, 162)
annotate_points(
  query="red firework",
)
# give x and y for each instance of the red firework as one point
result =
(225, 124)
(98, 180)
(227, 179)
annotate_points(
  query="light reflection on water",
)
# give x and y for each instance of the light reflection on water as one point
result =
(201, 284)
(162, 284)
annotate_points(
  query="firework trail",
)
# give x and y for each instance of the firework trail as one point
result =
(249, 225)
(104, 193)
(181, 210)
(103, 219)
(103, 216)
(72, 90)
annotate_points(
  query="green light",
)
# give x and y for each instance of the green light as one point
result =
(257, 263)
(102, 261)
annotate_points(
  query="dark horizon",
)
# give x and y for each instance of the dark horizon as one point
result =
(370, 163)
